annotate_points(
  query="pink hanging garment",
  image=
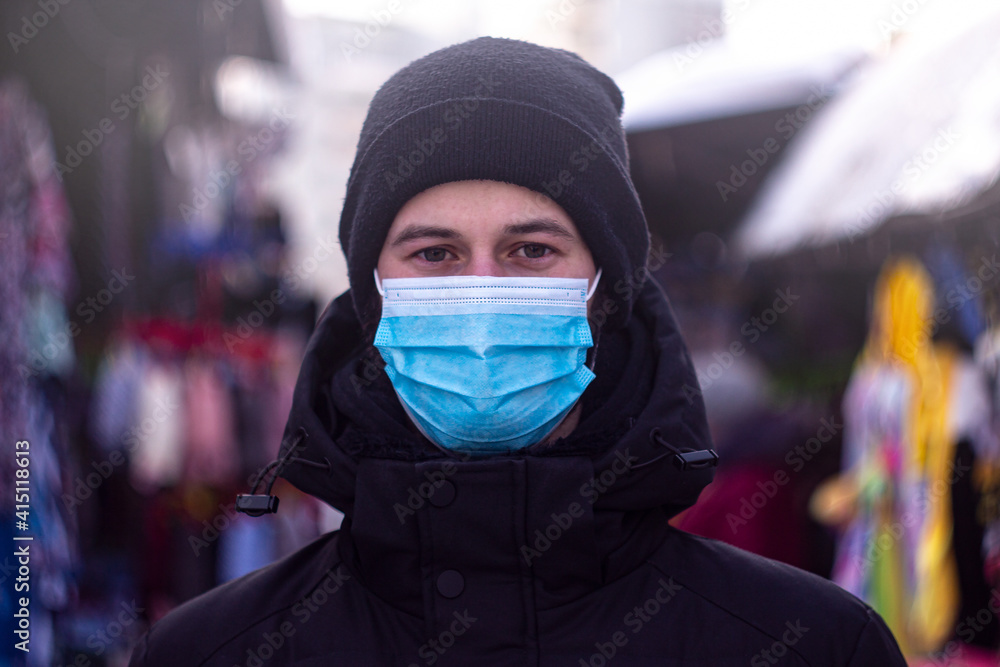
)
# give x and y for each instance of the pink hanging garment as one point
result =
(156, 441)
(211, 456)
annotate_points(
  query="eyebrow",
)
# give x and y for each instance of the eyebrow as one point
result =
(544, 225)
(417, 232)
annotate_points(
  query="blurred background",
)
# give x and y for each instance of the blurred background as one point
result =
(820, 179)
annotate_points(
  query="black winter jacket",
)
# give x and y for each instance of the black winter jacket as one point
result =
(556, 557)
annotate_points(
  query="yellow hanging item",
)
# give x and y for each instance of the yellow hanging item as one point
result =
(897, 548)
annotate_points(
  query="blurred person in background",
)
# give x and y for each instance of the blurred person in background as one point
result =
(497, 407)
(917, 443)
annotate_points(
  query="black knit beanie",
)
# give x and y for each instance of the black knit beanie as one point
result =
(501, 110)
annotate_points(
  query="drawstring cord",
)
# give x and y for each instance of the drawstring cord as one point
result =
(255, 504)
(685, 458)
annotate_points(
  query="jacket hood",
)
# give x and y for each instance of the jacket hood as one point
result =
(671, 422)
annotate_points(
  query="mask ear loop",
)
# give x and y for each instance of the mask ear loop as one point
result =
(593, 288)
(590, 292)
(378, 283)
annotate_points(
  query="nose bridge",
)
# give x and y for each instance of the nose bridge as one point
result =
(483, 262)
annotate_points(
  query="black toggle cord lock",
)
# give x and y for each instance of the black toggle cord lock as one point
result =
(258, 504)
(687, 459)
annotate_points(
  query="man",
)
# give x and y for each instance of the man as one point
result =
(496, 405)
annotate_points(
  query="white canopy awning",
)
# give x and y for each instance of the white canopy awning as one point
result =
(918, 133)
(697, 82)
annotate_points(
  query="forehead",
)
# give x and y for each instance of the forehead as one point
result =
(479, 205)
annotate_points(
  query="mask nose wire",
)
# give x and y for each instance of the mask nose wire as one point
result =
(590, 292)
(593, 287)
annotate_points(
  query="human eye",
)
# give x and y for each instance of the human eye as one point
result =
(432, 255)
(534, 250)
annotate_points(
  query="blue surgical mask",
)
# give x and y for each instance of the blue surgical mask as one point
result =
(486, 364)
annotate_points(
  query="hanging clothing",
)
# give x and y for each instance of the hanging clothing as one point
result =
(210, 425)
(157, 440)
(987, 357)
(114, 407)
(36, 353)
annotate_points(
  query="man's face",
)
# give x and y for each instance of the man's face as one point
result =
(483, 228)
